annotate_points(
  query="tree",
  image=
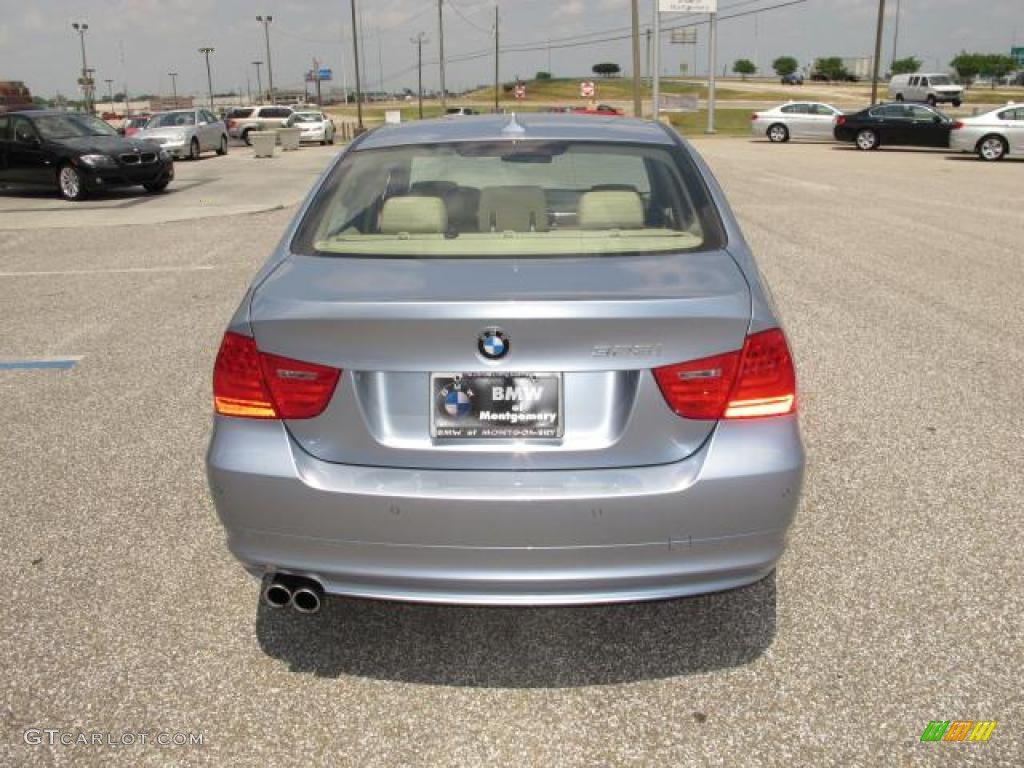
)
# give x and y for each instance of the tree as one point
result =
(744, 67)
(785, 65)
(542, 76)
(907, 66)
(967, 66)
(606, 69)
(996, 65)
(831, 68)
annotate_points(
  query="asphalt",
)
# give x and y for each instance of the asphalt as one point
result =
(899, 601)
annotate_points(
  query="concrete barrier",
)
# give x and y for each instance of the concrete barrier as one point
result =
(263, 143)
(290, 138)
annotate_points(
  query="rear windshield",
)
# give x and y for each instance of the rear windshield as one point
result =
(239, 113)
(511, 198)
(172, 120)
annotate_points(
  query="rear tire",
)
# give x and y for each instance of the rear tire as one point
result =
(245, 138)
(72, 186)
(193, 150)
(931, 101)
(899, 97)
(223, 148)
(992, 148)
(957, 103)
(778, 133)
(867, 139)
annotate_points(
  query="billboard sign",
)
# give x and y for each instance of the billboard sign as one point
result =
(688, 6)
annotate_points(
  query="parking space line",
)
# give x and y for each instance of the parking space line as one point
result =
(112, 271)
(61, 363)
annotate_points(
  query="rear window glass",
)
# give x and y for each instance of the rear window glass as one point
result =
(511, 198)
(240, 113)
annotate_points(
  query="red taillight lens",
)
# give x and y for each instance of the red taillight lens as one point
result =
(754, 116)
(766, 382)
(231, 123)
(255, 385)
(841, 120)
(753, 382)
(957, 125)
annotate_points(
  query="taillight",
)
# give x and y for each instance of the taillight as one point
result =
(753, 382)
(256, 385)
(841, 120)
(957, 125)
(754, 116)
(231, 123)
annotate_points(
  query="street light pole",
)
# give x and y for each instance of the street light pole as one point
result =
(110, 92)
(440, 35)
(497, 75)
(637, 109)
(259, 79)
(418, 40)
(878, 52)
(174, 87)
(265, 21)
(81, 28)
(355, 54)
(209, 77)
(712, 66)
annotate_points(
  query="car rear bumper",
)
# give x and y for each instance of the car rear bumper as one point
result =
(714, 521)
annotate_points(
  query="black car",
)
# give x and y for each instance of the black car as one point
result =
(76, 153)
(905, 125)
(794, 78)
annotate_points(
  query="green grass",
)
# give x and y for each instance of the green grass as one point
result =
(619, 89)
(728, 122)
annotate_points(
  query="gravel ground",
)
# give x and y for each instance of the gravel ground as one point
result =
(898, 602)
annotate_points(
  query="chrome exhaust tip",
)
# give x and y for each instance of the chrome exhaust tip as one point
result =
(277, 594)
(308, 597)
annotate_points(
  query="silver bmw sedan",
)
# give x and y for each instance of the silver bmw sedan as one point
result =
(508, 359)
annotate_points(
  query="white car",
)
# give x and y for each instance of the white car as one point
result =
(993, 136)
(186, 133)
(315, 126)
(795, 120)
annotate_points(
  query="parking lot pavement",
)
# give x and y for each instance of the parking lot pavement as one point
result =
(899, 601)
(212, 186)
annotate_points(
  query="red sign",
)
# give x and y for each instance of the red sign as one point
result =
(587, 89)
(520, 91)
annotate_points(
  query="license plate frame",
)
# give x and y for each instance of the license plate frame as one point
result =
(478, 415)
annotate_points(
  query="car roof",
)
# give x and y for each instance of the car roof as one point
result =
(534, 126)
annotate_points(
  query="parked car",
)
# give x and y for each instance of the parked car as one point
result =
(245, 119)
(908, 125)
(928, 89)
(187, 133)
(599, 109)
(314, 126)
(456, 111)
(133, 124)
(77, 154)
(993, 136)
(794, 78)
(540, 371)
(795, 120)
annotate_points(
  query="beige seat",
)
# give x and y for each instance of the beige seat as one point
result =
(611, 209)
(513, 208)
(413, 215)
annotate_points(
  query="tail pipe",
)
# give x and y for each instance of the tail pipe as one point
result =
(308, 597)
(302, 594)
(277, 593)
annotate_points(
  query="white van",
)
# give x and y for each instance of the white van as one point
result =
(930, 89)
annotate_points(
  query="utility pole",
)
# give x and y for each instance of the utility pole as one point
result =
(647, 34)
(265, 21)
(248, 89)
(637, 107)
(259, 79)
(110, 92)
(656, 74)
(209, 78)
(878, 52)
(440, 35)
(355, 54)
(81, 28)
(380, 63)
(418, 40)
(174, 87)
(712, 66)
(896, 32)
(497, 81)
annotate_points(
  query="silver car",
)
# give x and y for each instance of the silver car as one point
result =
(993, 135)
(795, 120)
(186, 133)
(522, 359)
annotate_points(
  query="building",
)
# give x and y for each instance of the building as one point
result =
(14, 94)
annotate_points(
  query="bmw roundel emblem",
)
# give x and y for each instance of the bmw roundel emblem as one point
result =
(493, 344)
(457, 403)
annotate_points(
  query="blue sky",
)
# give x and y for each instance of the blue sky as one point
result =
(37, 44)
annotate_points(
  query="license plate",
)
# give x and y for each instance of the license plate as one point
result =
(487, 405)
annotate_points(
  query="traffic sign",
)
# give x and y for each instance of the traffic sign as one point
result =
(520, 91)
(587, 89)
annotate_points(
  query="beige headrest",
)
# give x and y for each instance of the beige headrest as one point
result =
(513, 208)
(611, 209)
(413, 215)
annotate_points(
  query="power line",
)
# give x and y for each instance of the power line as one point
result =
(461, 15)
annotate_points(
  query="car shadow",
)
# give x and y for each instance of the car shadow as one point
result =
(115, 194)
(972, 158)
(887, 149)
(556, 647)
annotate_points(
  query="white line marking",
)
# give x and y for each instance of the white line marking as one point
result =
(125, 270)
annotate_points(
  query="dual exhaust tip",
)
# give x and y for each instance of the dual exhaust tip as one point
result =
(302, 594)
